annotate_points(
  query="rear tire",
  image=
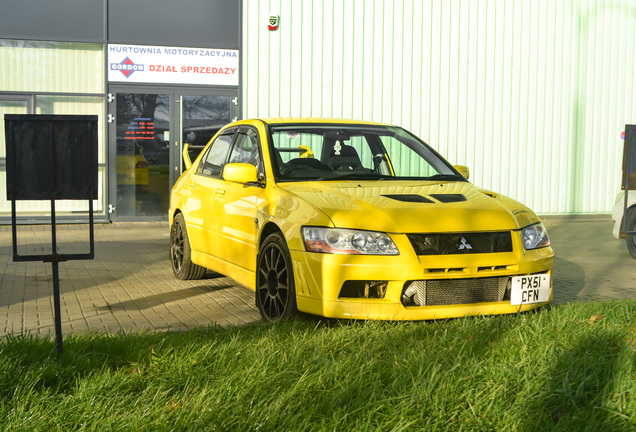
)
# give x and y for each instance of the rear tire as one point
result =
(180, 253)
(630, 225)
(275, 288)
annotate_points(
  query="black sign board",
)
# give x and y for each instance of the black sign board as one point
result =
(51, 157)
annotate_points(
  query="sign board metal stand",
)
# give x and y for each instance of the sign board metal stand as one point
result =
(54, 258)
(52, 157)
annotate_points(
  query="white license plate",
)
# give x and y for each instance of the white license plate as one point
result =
(530, 289)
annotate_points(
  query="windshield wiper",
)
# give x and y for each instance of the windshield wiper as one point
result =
(445, 177)
(359, 176)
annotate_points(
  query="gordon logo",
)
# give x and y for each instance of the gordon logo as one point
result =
(127, 67)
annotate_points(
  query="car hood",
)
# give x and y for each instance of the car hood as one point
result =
(413, 206)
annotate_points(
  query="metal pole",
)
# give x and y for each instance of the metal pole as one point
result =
(56, 284)
(57, 307)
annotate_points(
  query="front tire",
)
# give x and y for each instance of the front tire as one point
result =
(630, 225)
(180, 253)
(275, 288)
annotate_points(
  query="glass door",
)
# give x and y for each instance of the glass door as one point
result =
(200, 118)
(147, 129)
(140, 136)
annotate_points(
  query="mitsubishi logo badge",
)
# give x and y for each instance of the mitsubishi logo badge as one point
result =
(464, 245)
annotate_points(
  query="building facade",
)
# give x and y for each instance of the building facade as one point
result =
(532, 95)
(156, 73)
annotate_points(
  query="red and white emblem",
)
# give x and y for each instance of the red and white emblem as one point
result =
(272, 22)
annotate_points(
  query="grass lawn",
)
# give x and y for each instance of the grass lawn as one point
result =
(569, 367)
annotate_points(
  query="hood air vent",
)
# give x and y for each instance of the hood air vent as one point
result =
(449, 198)
(409, 198)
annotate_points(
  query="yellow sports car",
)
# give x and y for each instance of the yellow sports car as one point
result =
(356, 220)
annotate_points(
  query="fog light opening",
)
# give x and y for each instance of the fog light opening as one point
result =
(364, 289)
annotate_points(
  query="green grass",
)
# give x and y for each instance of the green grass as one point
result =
(555, 369)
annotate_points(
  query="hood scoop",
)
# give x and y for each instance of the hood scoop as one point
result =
(414, 198)
(409, 198)
(449, 198)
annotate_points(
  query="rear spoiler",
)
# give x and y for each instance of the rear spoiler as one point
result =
(186, 157)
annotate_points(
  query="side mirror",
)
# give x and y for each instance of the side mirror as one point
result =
(463, 170)
(240, 173)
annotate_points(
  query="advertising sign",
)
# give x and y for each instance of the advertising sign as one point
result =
(172, 65)
(51, 157)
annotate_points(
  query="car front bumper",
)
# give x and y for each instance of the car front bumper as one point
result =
(319, 279)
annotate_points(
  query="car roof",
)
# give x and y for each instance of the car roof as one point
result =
(315, 120)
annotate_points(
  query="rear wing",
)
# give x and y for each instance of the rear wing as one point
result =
(186, 157)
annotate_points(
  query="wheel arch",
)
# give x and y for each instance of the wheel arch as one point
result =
(181, 253)
(275, 296)
(269, 229)
(628, 212)
(173, 214)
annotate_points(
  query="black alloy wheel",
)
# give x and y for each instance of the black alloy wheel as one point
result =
(275, 289)
(182, 266)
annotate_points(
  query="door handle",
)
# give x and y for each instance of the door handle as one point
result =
(220, 191)
(192, 185)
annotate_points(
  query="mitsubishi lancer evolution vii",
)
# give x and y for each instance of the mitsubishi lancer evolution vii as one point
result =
(354, 220)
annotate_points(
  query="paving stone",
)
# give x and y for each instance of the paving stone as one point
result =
(129, 286)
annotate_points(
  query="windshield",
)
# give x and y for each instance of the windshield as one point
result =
(342, 152)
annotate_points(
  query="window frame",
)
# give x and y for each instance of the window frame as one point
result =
(247, 130)
(232, 133)
(372, 134)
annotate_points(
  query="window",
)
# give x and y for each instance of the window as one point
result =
(37, 66)
(360, 144)
(290, 144)
(406, 161)
(335, 152)
(246, 149)
(214, 160)
(72, 76)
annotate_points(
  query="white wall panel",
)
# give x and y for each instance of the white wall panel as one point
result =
(531, 94)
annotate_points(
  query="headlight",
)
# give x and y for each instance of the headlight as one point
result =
(347, 241)
(535, 236)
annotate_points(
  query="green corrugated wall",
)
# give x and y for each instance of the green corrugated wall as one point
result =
(531, 95)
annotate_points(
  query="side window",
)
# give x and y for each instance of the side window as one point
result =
(212, 163)
(245, 149)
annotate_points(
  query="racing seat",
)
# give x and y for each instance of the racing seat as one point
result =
(344, 159)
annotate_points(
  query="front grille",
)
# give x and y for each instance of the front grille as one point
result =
(456, 291)
(461, 243)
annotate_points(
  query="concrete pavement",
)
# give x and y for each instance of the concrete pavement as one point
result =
(129, 286)
(590, 263)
